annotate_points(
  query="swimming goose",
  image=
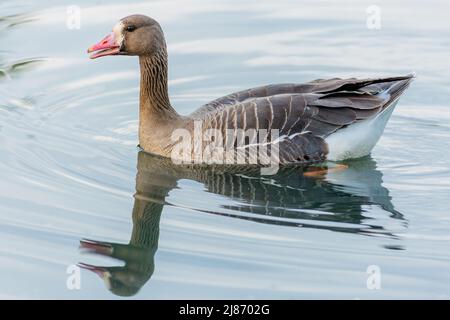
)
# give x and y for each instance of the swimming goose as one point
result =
(334, 119)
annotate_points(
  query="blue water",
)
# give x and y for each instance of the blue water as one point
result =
(70, 168)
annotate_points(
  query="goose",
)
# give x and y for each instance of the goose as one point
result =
(322, 120)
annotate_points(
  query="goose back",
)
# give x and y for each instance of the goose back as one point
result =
(303, 114)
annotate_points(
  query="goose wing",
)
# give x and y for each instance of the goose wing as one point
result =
(303, 114)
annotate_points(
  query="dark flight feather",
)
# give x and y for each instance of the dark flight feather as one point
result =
(304, 114)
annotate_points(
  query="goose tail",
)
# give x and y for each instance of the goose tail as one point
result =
(396, 88)
(358, 139)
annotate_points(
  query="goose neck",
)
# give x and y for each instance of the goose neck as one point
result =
(154, 94)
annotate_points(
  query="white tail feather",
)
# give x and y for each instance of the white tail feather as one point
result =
(358, 139)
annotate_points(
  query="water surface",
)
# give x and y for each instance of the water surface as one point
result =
(70, 169)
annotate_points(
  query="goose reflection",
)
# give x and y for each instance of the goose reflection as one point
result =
(333, 201)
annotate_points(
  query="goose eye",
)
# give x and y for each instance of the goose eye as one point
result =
(130, 28)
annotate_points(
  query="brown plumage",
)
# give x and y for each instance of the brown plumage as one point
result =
(304, 115)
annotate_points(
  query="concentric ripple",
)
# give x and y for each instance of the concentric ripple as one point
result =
(70, 168)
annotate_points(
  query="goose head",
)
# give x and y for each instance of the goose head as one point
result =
(135, 35)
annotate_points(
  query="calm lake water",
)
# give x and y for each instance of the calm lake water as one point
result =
(70, 168)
